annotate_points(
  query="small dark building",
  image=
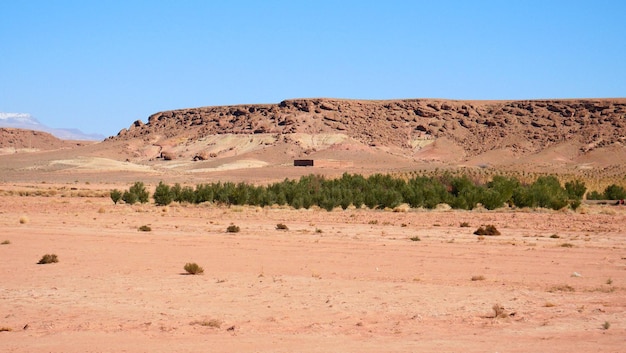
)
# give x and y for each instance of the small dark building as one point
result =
(302, 162)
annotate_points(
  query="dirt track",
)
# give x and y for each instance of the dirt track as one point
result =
(349, 281)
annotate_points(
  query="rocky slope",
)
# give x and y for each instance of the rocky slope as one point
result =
(477, 127)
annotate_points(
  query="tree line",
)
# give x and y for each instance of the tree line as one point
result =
(377, 191)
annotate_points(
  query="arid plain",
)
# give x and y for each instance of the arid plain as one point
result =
(354, 280)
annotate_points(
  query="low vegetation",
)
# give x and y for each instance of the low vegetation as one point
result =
(378, 191)
(145, 228)
(612, 192)
(233, 229)
(136, 193)
(48, 259)
(489, 229)
(415, 238)
(213, 323)
(193, 268)
(5, 242)
(281, 226)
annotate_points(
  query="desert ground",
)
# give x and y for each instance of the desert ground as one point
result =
(343, 281)
(354, 280)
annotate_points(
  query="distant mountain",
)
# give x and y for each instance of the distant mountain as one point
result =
(28, 122)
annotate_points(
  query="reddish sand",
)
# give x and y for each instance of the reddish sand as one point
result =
(344, 281)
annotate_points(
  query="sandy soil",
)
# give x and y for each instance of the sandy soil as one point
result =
(344, 281)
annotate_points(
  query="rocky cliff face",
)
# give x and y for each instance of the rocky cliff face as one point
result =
(476, 126)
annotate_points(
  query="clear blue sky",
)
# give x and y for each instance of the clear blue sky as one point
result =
(100, 65)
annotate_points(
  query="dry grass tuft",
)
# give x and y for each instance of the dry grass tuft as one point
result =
(561, 288)
(499, 311)
(213, 323)
(489, 229)
(48, 259)
(193, 268)
(478, 278)
(233, 229)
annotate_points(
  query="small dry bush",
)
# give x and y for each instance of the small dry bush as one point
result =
(233, 229)
(48, 259)
(489, 229)
(415, 238)
(567, 245)
(193, 268)
(145, 228)
(478, 278)
(281, 226)
(5, 329)
(464, 225)
(561, 288)
(555, 236)
(606, 325)
(5, 242)
(213, 323)
(23, 220)
(499, 312)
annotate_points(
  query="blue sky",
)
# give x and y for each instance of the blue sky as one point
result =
(100, 65)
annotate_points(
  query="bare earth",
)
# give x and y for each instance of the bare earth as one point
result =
(349, 281)
(341, 281)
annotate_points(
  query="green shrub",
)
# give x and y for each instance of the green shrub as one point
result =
(162, 195)
(594, 195)
(139, 190)
(575, 189)
(193, 268)
(129, 198)
(232, 229)
(614, 192)
(48, 259)
(116, 195)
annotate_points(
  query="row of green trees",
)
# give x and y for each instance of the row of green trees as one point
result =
(612, 192)
(376, 191)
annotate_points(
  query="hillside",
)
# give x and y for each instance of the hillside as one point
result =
(521, 127)
(581, 137)
(19, 140)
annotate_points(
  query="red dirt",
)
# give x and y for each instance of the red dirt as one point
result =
(359, 284)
